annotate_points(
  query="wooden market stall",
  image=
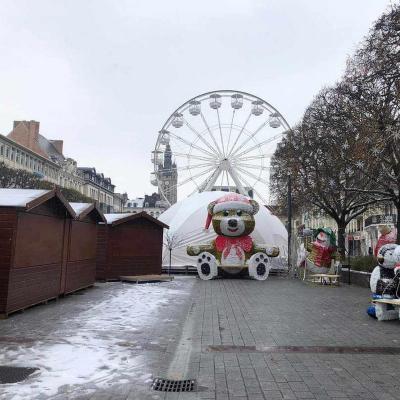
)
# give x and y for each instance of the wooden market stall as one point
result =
(80, 271)
(33, 242)
(129, 244)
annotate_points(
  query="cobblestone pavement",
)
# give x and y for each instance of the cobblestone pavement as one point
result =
(221, 333)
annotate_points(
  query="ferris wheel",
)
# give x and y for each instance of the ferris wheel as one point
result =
(221, 140)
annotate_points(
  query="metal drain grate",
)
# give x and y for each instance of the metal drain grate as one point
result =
(14, 374)
(168, 385)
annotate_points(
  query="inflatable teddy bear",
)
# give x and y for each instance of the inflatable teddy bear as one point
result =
(233, 250)
(322, 251)
(384, 282)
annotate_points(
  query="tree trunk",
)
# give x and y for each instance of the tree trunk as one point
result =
(342, 239)
(397, 204)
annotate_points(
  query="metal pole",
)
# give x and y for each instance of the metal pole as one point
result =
(289, 222)
(169, 267)
(348, 260)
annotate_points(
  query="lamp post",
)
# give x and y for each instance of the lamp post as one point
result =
(289, 200)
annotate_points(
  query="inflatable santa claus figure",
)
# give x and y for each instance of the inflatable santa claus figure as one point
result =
(388, 236)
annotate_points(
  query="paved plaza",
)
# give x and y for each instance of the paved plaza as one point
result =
(237, 338)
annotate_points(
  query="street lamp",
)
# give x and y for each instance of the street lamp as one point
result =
(289, 201)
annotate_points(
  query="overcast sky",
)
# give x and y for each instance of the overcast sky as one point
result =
(105, 75)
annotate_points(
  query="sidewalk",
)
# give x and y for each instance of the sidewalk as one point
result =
(245, 317)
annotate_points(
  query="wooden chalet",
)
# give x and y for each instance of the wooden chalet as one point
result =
(33, 245)
(129, 244)
(80, 271)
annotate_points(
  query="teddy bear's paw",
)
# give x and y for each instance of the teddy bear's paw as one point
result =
(207, 266)
(193, 250)
(259, 266)
(272, 251)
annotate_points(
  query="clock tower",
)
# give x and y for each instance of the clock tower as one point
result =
(168, 176)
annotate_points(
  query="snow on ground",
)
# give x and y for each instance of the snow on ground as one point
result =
(94, 348)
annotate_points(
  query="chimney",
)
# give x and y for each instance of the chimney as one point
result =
(33, 133)
(33, 129)
(58, 144)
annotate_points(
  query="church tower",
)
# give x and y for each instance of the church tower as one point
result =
(168, 175)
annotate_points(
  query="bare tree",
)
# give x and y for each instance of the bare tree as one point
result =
(172, 240)
(372, 87)
(315, 154)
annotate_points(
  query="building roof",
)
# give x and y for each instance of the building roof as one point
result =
(26, 149)
(100, 176)
(31, 198)
(48, 148)
(116, 219)
(83, 209)
(26, 133)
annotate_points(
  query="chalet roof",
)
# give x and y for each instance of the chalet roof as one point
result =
(83, 209)
(80, 207)
(31, 198)
(110, 218)
(116, 219)
(19, 197)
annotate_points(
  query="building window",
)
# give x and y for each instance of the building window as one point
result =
(7, 152)
(1, 150)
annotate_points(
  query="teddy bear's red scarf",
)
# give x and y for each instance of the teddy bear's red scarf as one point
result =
(226, 243)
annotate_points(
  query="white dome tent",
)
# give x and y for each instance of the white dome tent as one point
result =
(187, 218)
